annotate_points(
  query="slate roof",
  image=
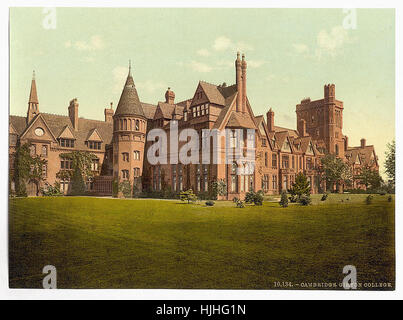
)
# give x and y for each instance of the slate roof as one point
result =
(129, 102)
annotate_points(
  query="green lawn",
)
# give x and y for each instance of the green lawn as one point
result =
(110, 243)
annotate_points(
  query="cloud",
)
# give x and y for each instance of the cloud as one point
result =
(301, 48)
(200, 67)
(222, 43)
(331, 42)
(94, 43)
(203, 52)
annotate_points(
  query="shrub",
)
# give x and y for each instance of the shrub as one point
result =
(254, 197)
(305, 200)
(210, 203)
(284, 200)
(115, 188)
(390, 198)
(369, 199)
(219, 188)
(52, 191)
(188, 196)
(126, 188)
(382, 192)
(77, 183)
(240, 204)
(324, 196)
(293, 198)
(235, 200)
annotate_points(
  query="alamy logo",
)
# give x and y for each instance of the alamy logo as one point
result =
(350, 280)
(187, 147)
(50, 280)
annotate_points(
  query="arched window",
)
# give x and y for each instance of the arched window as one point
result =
(137, 125)
(337, 149)
(125, 124)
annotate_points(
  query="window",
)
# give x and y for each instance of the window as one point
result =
(95, 165)
(32, 150)
(285, 161)
(274, 181)
(174, 183)
(180, 183)
(285, 180)
(136, 172)
(274, 160)
(137, 125)
(136, 155)
(125, 156)
(198, 183)
(13, 139)
(185, 116)
(234, 177)
(205, 183)
(309, 164)
(293, 162)
(202, 109)
(198, 110)
(265, 182)
(68, 143)
(206, 106)
(125, 174)
(337, 149)
(263, 142)
(64, 185)
(44, 151)
(45, 170)
(66, 164)
(232, 138)
(94, 145)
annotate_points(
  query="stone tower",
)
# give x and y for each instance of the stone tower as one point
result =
(323, 120)
(129, 135)
(33, 102)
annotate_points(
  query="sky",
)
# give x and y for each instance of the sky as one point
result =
(291, 53)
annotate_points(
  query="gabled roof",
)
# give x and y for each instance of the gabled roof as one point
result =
(66, 133)
(212, 92)
(291, 132)
(149, 110)
(242, 120)
(19, 123)
(166, 109)
(94, 135)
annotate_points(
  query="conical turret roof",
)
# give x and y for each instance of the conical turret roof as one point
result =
(129, 102)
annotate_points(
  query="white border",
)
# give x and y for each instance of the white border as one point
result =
(6, 293)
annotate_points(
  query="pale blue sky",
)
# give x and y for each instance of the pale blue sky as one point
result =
(291, 54)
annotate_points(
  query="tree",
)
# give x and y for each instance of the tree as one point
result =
(77, 183)
(335, 170)
(219, 188)
(390, 161)
(284, 200)
(188, 196)
(300, 187)
(254, 197)
(370, 178)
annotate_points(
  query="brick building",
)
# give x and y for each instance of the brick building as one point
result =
(120, 141)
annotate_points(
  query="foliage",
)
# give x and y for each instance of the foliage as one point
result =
(81, 160)
(52, 191)
(219, 188)
(370, 178)
(368, 199)
(115, 188)
(254, 197)
(324, 196)
(126, 188)
(77, 183)
(284, 200)
(209, 203)
(300, 187)
(27, 168)
(188, 196)
(335, 170)
(305, 200)
(382, 192)
(235, 200)
(137, 186)
(390, 199)
(240, 204)
(390, 161)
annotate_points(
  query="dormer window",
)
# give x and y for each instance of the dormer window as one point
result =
(96, 145)
(67, 143)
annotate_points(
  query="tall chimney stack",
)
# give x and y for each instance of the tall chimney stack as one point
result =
(243, 83)
(109, 114)
(270, 120)
(73, 113)
(363, 143)
(238, 82)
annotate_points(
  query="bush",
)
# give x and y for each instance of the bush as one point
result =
(240, 204)
(284, 200)
(52, 191)
(369, 199)
(390, 198)
(324, 196)
(77, 183)
(254, 197)
(126, 188)
(210, 203)
(382, 192)
(293, 198)
(235, 200)
(115, 188)
(305, 200)
(188, 196)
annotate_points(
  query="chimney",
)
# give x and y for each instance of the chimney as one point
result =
(363, 142)
(109, 114)
(243, 83)
(238, 83)
(345, 143)
(270, 120)
(73, 113)
(170, 96)
(302, 128)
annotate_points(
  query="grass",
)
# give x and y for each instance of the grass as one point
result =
(111, 243)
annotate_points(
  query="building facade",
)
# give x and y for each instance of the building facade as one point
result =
(119, 143)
